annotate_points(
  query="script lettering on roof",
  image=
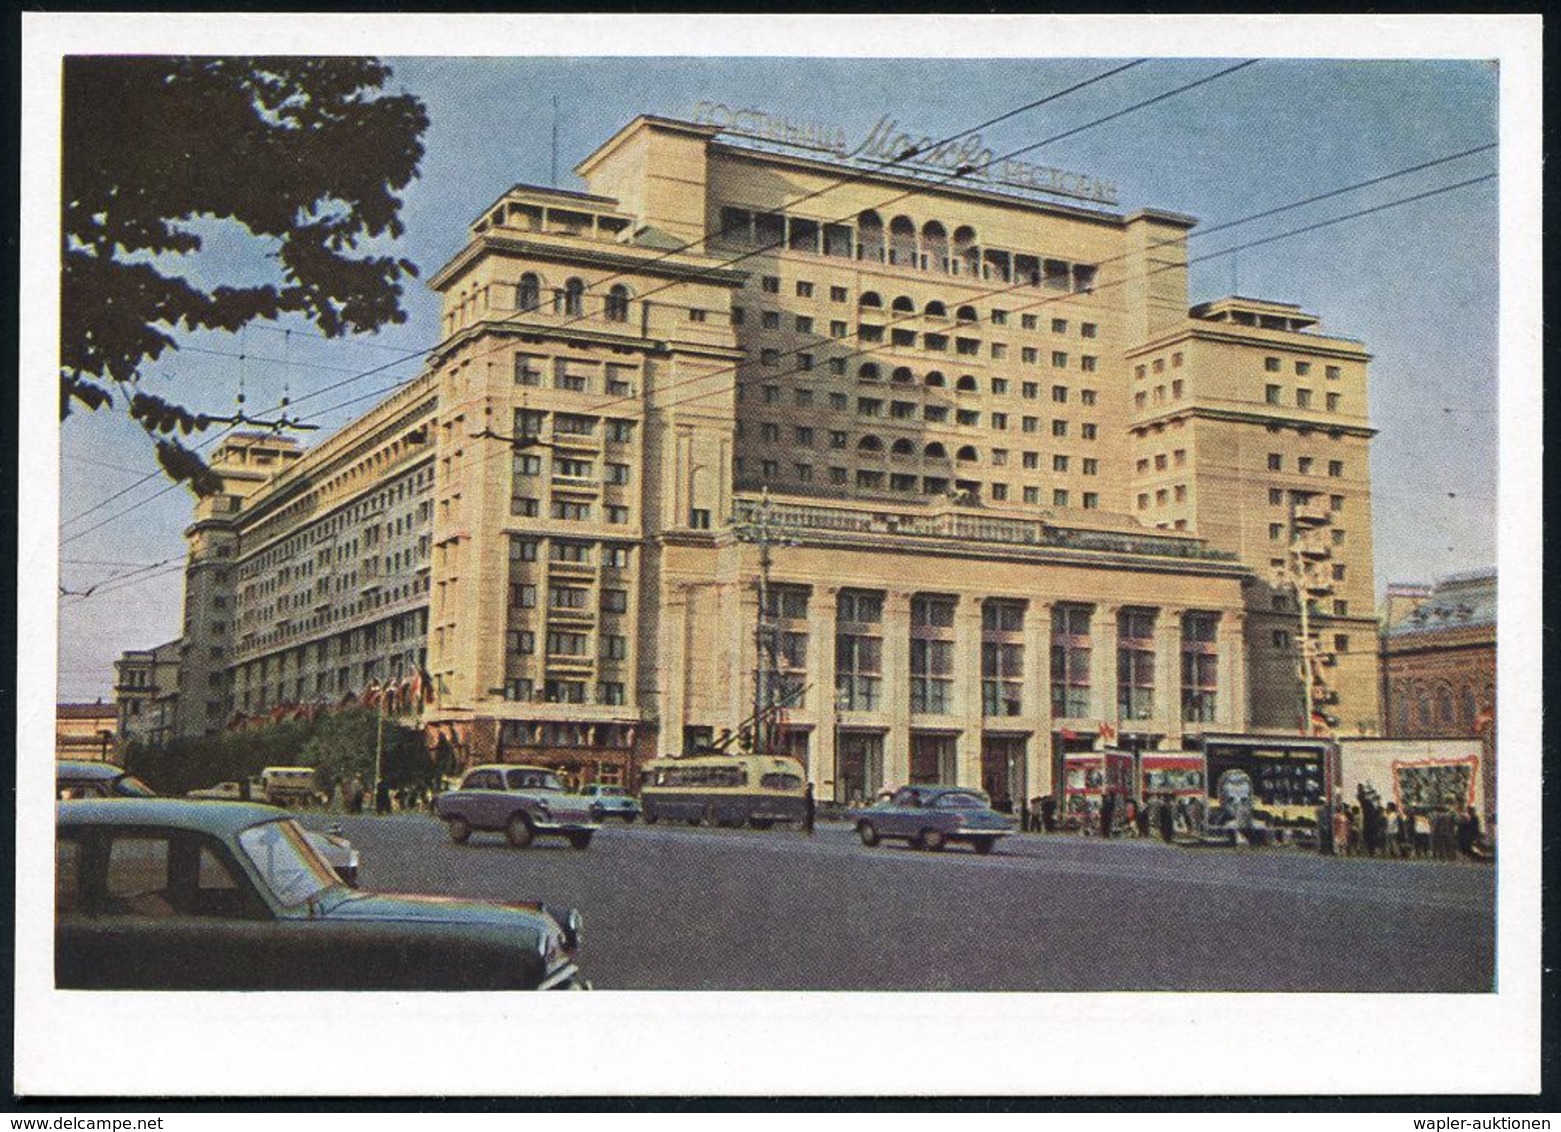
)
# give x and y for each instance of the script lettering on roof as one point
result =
(966, 156)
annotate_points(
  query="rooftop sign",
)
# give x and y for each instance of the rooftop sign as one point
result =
(966, 156)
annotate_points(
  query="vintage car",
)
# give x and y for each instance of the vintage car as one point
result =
(930, 817)
(167, 894)
(222, 792)
(522, 802)
(611, 802)
(105, 780)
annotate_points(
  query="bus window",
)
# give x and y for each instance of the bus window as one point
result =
(780, 782)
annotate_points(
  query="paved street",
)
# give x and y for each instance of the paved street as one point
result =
(674, 907)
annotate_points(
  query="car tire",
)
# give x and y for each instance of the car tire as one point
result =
(760, 823)
(983, 845)
(580, 840)
(710, 818)
(628, 819)
(596, 813)
(650, 817)
(460, 829)
(867, 833)
(519, 831)
(932, 840)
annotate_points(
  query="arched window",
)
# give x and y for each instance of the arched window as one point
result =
(618, 304)
(902, 241)
(1422, 708)
(902, 447)
(869, 444)
(869, 237)
(966, 455)
(1466, 709)
(528, 293)
(870, 299)
(903, 305)
(965, 314)
(967, 384)
(868, 372)
(903, 375)
(967, 251)
(935, 451)
(935, 246)
(937, 309)
(571, 300)
(935, 380)
(1444, 707)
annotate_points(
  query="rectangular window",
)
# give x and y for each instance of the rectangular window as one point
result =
(838, 295)
(770, 284)
(858, 672)
(1135, 664)
(1303, 368)
(1000, 420)
(570, 424)
(1029, 355)
(528, 369)
(1271, 365)
(1091, 500)
(1059, 359)
(1070, 661)
(1002, 678)
(616, 557)
(1059, 497)
(932, 669)
(1031, 460)
(570, 509)
(699, 519)
(1303, 398)
(615, 601)
(614, 646)
(1276, 462)
(1200, 667)
(1059, 427)
(804, 324)
(1029, 321)
(1336, 468)
(804, 290)
(1088, 362)
(839, 329)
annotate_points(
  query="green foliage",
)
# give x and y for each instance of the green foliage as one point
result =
(306, 155)
(338, 744)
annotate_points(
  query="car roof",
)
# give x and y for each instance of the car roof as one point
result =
(513, 766)
(220, 819)
(70, 768)
(938, 791)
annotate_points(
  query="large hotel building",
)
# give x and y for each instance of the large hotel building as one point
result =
(1008, 492)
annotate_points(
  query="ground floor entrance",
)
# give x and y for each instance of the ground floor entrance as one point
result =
(934, 758)
(858, 766)
(1003, 770)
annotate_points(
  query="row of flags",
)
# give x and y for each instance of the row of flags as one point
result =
(394, 697)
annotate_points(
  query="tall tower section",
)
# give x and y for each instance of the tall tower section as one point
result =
(246, 462)
(1250, 429)
(583, 452)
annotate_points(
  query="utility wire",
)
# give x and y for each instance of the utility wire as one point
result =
(1226, 251)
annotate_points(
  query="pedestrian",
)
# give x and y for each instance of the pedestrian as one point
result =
(1108, 810)
(1167, 820)
(1469, 833)
(1195, 816)
(1146, 817)
(1341, 829)
(1130, 818)
(382, 797)
(809, 810)
(1024, 817)
(1390, 831)
(1422, 834)
(355, 792)
(1048, 813)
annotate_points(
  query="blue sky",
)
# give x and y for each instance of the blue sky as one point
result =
(1417, 283)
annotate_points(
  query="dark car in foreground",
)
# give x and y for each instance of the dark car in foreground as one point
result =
(930, 817)
(78, 779)
(166, 894)
(522, 802)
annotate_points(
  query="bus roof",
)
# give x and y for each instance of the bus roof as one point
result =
(718, 758)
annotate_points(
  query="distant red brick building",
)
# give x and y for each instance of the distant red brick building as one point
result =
(1439, 663)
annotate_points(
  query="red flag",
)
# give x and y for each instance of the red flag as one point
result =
(1066, 734)
(1107, 732)
(370, 694)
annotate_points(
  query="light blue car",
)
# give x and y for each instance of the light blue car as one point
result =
(611, 802)
(930, 817)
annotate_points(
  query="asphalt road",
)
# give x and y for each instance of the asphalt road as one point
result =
(674, 907)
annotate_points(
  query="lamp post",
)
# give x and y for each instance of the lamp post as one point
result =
(762, 532)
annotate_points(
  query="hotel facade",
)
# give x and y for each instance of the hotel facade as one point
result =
(1006, 493)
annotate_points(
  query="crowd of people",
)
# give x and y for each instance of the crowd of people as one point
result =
(1369, 829)
(352, 796)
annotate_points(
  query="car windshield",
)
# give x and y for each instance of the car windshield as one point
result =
(129, 786)
(534, 780)
(961, 802)
(287, 863)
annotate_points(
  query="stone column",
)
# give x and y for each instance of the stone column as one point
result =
(967, 689)
(1231, 709)
(1103, 662)
(821, 697)
(1168, 674)
(672, 676)
(744, 658)
(1037, 698)
(897, 686)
